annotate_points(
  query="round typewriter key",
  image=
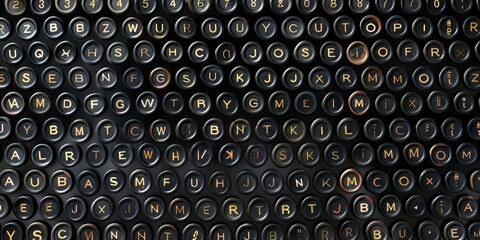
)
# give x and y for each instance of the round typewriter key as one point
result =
(62, 231)
(377, 181)
(438, 101)
(96, 155)
(411, 6)
(122, 155)
(225, 53)
(333, 103)
(53, 130)
(454, 229)
(441, 206)
(92, 6)
(452, 129)
(24, 207)
(25, 78)
(403, 230)
(52, 78)
(426, 129)
(132, 78)
(206, 209)
(172, 6)
(436, 7)
(186, 129)
(319, 78)
(12, 53)
(5, 128)
(374, 129)
(102, 208)
(42, 155)
(212, 28)
(292, 78)
(411, 103)
(185, 78)
(351, 181)
(332, 7)
(306, 6)
(359, 6)
(10, 181)
(324, 229)
(200, 104)
(175, 155)
(92, 52)
(194, 182)
(232, 209)
(146, 103)
(408, 51)
(245, 182)
(227, 103)
(298, 182)
(325, 181)
(211, 75)
(113, 181)
(467, 154)
(157, 27)
(463, 102)
(459, 51)
(5, 77)
(272, 182)
(422, 28)
(50, 207)
(294, 130)
(252, 53)
(128, 208)
(133, 130)
(193, 231)
(5, 29)
(61, 181)
(199, 6)
(198, 52)
(226, 6)
(149, 154)
(282, 155)
(381, 51)
(397, 27)
(414, 153)
(318, 28)
(256, 155)
(253, 6)
(321, 130)
(447, 27)
(120, 103)
(53, 27)
(94, 104)
(185, 27)
(349, 230)
(434, 52)
(377, 230)
(79, 78)
(292, 27)
(370, 25)
(144, 52)
(118, 53)
(390, 206)
(36, 230)
(15, 7)
(12, 230)
(39, 53)
(258, 209)
(213, 129)
(455, 181)
(309, 154)
(114, 230)
(118, 6)
(277, 53)
(385, 6)
(88, 231)
(337, 207)
(175, 211)
(201, 154)
(26, 129)
(75, 209)
(273, 230)
(69, 155)
(88, 183)
(65, 52)
(154, 208)
(403, 180)
(467, 207)
(335, 154)
(15, 154)
(298, 231)
(279, 103)
(229, 154)
(311, 208)
(106, 130)
(167, 231)
(246, 231)
(79, 27)
(13, 103)
(363, 207)
(363, 154)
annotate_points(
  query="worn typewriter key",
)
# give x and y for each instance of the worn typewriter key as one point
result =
(15, 7)
(258, 209)
(12, 53)
(49, 207)
(377, 230)
(344, 27)
(5, 29)
(65, 6)
(337, 207)
(226, 6)
(332, 6)
(397, 26)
